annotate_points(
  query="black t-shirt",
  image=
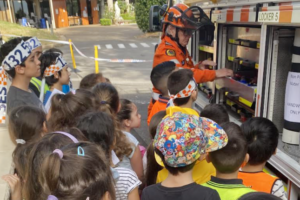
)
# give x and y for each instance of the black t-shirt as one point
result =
(189, 192)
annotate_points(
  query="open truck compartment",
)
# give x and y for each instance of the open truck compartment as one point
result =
(260, 49)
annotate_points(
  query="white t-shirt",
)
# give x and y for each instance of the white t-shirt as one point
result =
(278, 190)
(126, 159)
(126, 182)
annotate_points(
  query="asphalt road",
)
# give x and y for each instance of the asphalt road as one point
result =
(116, 42)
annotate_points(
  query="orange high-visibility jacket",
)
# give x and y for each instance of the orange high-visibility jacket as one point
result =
(168, 50)
(259, 181)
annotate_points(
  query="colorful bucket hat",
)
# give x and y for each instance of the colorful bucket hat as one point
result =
(183, 138)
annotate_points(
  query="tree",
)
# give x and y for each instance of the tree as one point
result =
(142, 9)
(110, 5)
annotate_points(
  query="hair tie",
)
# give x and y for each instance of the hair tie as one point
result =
(59, 152)
(80, 151)
(52, 197)
(103, 102)
(20, 141)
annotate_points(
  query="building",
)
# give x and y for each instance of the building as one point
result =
(64, 12)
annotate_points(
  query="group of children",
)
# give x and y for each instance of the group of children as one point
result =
(82, 147)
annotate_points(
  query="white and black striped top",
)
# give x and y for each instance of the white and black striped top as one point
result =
(127, 181)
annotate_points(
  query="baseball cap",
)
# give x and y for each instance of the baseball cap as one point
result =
(183, 138)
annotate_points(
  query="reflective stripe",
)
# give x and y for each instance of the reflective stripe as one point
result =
(175, 61)
(36, 83)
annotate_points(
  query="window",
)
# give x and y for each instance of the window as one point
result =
(3, 11)
(73, 8)
(21, 9)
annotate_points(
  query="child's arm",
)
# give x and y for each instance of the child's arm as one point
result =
(278, 190)
(137, 163)
(15, 186)
(134, 194)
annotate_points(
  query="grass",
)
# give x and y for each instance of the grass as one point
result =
(129, 17)
(16, 29)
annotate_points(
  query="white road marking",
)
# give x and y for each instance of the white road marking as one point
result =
(121, 46)
(109, 46)
(99, 47)
(133, 45)
(145, 45)
(154, 43)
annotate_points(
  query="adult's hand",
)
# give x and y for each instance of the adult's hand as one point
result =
(202, 65)
(224, 73)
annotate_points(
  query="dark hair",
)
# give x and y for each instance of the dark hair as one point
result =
(67, 108)
(125, 111)
(40, 150)
(262, 138)
(75, 176)
(152, 166)
(258, 196)
(29, 130)
(90, 80)
(175, 170)
(108, 97)
(159, 76)
(230, 158)
(99, 128)
(155, 120)
(48, 59)
(215, 112)
(6, 48)
(54, 50)
(177, 81)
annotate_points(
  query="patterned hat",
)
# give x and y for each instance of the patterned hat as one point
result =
(182, 138)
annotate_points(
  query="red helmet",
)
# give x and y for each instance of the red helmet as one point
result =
(185, 17)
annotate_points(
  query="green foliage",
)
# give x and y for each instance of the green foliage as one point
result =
(105, 22)
(122, 5)
(109, 14)
(128, 17)
(142, 9)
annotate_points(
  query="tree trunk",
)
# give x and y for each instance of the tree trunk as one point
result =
(127, 3)
(110, 5)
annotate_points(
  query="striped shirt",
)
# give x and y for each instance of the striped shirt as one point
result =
(127, 181)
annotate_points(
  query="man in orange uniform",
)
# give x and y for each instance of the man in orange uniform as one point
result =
(179, 23)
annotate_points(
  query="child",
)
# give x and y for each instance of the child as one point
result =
(130, 118)
(98, 127)
(108, 97)
(181, 84)
(90, 80)
(46, 145)
(151, 167)
(227, 162)
(54, 69)
(24, 132)
(78, 172)
(67, 108)
(215, 112)
(262, 138)
(180, 141)
(36, 82)
(20, 60)
(159, 77)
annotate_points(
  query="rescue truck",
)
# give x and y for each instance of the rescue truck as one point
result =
(260, 42)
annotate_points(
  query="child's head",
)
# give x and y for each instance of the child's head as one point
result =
(262, 138)
(159, 76)
(181, 139)
(230, 158)
(181, 85)
(20, 56)
(25, 132)
(108, 97)
(90, 80)
(78, 172)
(155, 120)
(258, 196)
(128, 115)
(215, 112)
(23, 129)
(67, 108)
(54, 68)
(42, 149)
(99, 128)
